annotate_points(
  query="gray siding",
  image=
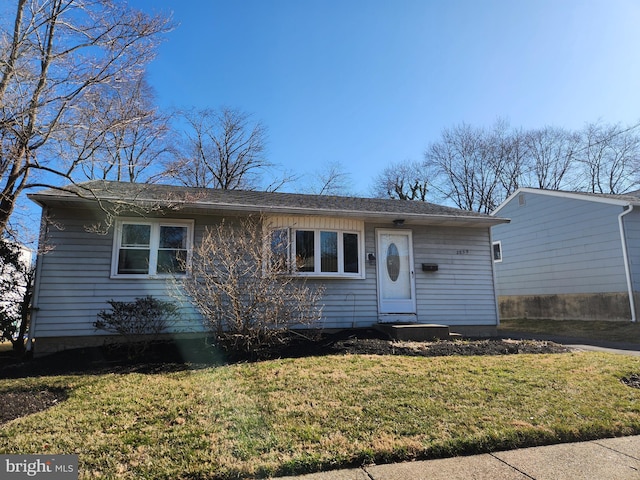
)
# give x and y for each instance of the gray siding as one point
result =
(75, 281)
(632, 233)
(75, 284)
(461, 292)
(556, 245)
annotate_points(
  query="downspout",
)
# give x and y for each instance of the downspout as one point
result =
(627, 268)
(493, 275)
(36, 283)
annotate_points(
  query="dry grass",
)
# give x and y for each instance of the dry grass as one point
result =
(594, 330)
(299, 415)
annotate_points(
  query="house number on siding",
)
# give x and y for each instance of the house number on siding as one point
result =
(462, 252)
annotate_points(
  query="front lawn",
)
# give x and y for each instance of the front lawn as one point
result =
(307, 414)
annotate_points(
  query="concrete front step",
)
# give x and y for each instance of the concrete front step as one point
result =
(415, 331)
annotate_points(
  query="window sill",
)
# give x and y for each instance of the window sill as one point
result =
(330, 276)
(146, 276)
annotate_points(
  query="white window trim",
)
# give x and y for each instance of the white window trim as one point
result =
(155, 224)
(317, 254)
(493, 256)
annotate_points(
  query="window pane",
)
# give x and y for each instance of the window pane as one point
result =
(135, 235)
(497, 251)
(350, 252)
(279, 249)
(305, 250)
(173, 237)
(172, 261)
(329, 252)
(133, 261)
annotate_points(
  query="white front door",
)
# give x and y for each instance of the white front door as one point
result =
(396, 286)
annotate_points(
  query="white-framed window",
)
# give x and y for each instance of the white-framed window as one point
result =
(497, 251)
(325, 252)
(151, 247)
(310, 246)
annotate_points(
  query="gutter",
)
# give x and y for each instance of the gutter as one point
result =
(627, 268)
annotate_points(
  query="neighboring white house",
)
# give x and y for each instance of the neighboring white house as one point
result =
(391, 260)
(568, 255)
(9, 274)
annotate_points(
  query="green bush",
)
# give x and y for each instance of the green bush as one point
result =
(139, 322)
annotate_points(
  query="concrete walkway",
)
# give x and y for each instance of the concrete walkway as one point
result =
(608, 459)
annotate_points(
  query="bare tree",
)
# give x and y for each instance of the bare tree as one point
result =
(404, 181)
(551, 158)
(54, 55)
(220, 148)
(466, 172)
(610, 158)
(477, 168)
(238, 279)
(332, 179)
(506, 153)
(122, 137)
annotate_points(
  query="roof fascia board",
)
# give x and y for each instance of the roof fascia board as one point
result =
(560, 194)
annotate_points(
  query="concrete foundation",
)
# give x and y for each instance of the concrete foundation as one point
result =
(411, 332)
(47, 345)
(596, 306)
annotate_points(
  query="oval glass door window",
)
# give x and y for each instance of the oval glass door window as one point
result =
(393, 262)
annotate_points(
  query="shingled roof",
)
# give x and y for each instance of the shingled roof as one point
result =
(239, 201)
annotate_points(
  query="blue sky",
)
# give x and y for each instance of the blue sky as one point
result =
(368, 82)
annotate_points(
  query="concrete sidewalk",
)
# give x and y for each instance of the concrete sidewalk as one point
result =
(608, 459)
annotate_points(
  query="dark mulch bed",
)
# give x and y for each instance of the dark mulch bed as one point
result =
(446, 348)
(176, 356)
(19, 403)
(632, 380)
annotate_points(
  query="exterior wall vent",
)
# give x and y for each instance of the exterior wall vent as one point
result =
(522, 201)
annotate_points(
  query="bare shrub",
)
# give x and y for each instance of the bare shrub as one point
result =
(239, 280)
